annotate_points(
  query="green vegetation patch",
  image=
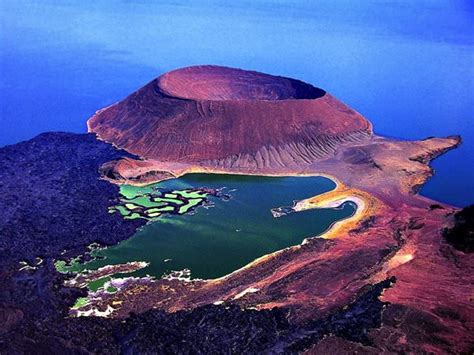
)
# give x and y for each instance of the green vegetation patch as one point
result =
(61, 266)
(170, 195)
(134, 215)
(111, 289)
(168, 200)
(191, 194)
(144, 201)
(130, 191)
(191, 203)
(149, 203)
(161, 209)
(122, 209)
(97, 284)
(131, 206)
(74, 265)
(80, 302)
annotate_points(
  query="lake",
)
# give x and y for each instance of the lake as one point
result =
(226, 233)
(407, 66)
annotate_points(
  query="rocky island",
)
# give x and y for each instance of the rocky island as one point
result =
(391, 277)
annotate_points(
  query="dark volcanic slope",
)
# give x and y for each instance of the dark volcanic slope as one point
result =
(49, 186)
(217, 114)
(53, 200)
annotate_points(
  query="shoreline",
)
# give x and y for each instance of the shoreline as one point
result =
(337, 227)
(197, 169)
(354, 218)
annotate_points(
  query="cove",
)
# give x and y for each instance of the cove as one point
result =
(223, 234)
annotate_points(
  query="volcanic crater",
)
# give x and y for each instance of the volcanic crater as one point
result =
(230, 118)
(224, 84)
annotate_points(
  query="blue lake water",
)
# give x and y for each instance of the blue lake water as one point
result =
(407, 66)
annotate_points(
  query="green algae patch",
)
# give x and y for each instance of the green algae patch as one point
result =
(168, 200)
(61, 266)
(171, 195)
(122, 209)
(111, 289)
(130, 191)
(161, 209)
(131, 206)
(191, 203)
(134, 216)
(154, 210)
(150, 203)
(80, 302)
(95, 285)
(190, 194)
(144, 201)
(72, 266)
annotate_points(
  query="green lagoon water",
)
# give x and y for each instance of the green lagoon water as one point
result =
(225, 235)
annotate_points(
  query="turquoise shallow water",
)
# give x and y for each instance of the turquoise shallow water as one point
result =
(226, 235)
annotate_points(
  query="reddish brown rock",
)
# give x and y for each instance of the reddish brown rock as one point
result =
(227, 115)
(215, 83)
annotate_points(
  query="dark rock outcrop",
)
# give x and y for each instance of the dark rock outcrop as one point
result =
(461, 236)
(51, 186)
